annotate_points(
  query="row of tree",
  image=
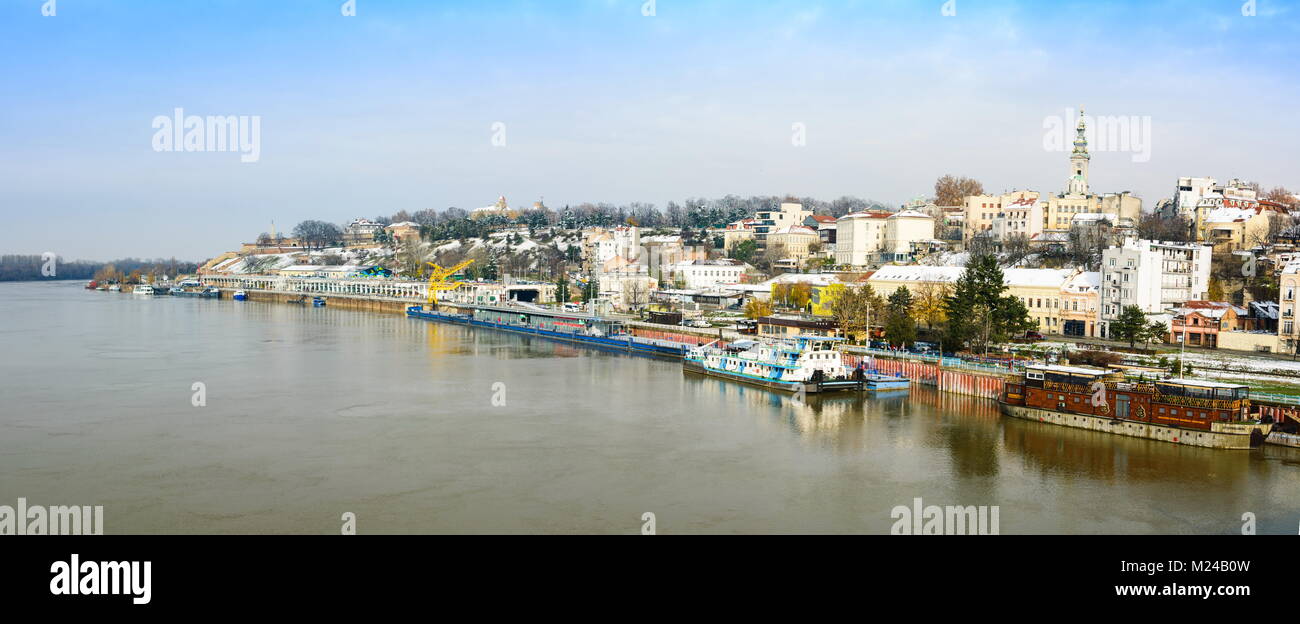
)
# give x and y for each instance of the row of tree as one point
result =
(37, 267)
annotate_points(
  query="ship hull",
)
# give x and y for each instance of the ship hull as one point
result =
(620, 342)
(1233, 440)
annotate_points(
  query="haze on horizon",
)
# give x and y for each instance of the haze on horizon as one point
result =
(394, 108)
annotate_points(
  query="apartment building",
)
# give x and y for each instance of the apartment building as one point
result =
(1154, 276)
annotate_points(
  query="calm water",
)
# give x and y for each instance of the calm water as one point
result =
(315, 412)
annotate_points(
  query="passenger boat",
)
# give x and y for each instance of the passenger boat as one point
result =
(802, 364)
(1182, 411)
(240, 295)
(115, 288)
(211, 292)
(142, 289)
(92, 285)
(558, 325)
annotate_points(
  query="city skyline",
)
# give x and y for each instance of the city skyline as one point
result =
(407, 107)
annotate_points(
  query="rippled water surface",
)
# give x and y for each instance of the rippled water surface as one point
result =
(315, 412)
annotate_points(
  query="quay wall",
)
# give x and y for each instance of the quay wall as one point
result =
(970, 383)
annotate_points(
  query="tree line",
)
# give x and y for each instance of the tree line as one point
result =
(33, 267)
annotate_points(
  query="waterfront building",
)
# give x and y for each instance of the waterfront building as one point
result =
(1154, 276)
(1200, 322)
(496, 293)
(791, 325)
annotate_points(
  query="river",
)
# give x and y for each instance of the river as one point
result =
(415, 427)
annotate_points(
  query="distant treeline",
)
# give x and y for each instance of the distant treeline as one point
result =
(14, 268)
(694, 213)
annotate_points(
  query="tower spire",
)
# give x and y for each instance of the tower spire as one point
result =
(1077, 182)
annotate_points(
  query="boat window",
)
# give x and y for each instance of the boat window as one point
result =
(1034, 374)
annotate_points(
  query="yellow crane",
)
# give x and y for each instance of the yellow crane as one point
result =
(438, 280)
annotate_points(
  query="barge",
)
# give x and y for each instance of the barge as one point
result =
(1181, 411)
(807, 364)
(554, 325)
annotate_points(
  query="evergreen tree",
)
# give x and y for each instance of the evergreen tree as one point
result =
(979, 311)
(1131, 325)
(900, 328)
(562, 289)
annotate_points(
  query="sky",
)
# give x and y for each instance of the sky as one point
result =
(408, 105)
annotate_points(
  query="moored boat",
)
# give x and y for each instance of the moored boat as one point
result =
(558, 325)
(142, 289)
(805, 364)
(318, 302)
(240, 295)
(1182, 411)
(211, 292)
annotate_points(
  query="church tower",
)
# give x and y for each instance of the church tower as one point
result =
(1077, 183)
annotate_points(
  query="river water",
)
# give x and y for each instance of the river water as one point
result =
(417, 427)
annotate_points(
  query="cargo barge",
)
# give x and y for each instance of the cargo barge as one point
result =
(554, 325)
(1181, 411)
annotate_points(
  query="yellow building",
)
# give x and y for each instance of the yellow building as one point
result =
(1039, 289)
(793, 240)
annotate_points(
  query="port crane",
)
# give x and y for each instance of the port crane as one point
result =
(438, 280)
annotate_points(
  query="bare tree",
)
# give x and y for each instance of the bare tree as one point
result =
(950, 190)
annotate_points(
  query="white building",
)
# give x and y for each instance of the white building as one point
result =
(706, 274)
(859, 237)
(769, 221)
(902, 229)
(1152, 275)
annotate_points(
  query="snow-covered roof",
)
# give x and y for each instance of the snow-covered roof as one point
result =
(910, 214)
(917, 273)
(871, 214)
(796, 229)
(1036, 278)
(1032, 278)
(1229, 215)
(1084, 282)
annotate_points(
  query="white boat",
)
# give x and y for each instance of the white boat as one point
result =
(142, 289)
(115, 288)
(803, 363)
(241, 295)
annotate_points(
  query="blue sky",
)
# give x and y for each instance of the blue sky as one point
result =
(393, 108)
